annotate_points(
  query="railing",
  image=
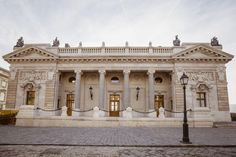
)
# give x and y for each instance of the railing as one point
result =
(162, 51)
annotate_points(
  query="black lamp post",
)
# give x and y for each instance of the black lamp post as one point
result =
(184, 82)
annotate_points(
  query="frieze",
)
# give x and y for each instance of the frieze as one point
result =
(32, 75)
(200, 76)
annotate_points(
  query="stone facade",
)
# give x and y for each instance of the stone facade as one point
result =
(120, 81)
(4, 76)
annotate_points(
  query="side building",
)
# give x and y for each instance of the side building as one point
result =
(114, 79)
(4, 76)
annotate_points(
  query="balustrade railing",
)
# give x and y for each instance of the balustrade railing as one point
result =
(116, 50)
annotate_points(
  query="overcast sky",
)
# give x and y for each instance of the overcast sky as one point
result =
(117, 21)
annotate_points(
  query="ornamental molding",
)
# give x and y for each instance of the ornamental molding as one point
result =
(206, 51)
(30, 53)
(33, 75)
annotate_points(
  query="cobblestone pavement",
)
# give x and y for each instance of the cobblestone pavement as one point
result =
(117, 136)
(93, 151)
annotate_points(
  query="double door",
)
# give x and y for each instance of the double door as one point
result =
(70, 100)
(114, 105)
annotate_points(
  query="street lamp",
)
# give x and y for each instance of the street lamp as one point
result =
(184, 82)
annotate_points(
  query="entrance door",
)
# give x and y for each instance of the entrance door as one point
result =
(70, 100)
(159, 102)
(114, 106)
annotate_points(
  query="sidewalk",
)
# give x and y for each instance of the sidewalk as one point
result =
(117, 136)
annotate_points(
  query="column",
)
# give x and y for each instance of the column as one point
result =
(151, 89)
(126, 99)
(101, 88)
(56, 88)
(77, 88)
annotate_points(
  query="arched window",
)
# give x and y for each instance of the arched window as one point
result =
(158, 80)
(72, 79)
(114, 79)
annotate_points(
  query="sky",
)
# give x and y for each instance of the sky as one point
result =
(118, 21)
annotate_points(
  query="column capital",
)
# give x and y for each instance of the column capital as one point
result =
(151, 71)
(78, 71)
(102, 71)
(126, 71)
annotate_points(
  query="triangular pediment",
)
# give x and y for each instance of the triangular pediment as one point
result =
(30, 53)
(203, 52)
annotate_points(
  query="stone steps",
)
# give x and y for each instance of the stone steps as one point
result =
(224, 124)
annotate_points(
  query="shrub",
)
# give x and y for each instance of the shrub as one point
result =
(8, 116)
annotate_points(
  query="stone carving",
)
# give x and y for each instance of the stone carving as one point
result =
(179, 72)
(50, 75)
(80, 44)
(150, 44)
(200, 76)
(221, 73)
(176, 42)
(67, 45)
(20, 42)
(13, 73)
(33, 75)
(56, 42)
(103, 44)
(126, 44)
(215, 42)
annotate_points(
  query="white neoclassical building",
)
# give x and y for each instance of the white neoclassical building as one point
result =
(128, 83)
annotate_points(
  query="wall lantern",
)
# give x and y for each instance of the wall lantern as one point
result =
(91, 92)
(137, 89)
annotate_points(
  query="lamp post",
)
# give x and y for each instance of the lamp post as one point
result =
(184, 82)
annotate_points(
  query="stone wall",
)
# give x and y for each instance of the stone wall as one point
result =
(49, 94)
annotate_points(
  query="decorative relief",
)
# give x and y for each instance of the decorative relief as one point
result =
(50, 75)
(33, 75)
(13, 72)
(200, 76)
(221, 73)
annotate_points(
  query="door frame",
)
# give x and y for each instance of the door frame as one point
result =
(158, 104)
(114, 113)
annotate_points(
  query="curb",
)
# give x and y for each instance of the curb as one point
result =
(182, 145)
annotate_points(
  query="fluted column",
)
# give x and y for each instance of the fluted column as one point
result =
(151, 89)
(126, 100)
(77, 88)
(101, 88)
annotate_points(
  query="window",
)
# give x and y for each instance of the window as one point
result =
(158, 80)
(30, 97)
(72, 79)
(114, 80)
(201, 99)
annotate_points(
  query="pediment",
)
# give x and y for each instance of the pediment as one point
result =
(30, 53)
(203, 52)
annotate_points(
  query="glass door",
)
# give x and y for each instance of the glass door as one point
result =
(70, 100)
(114, 106)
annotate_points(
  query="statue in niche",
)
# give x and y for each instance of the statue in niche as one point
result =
(215, 42)
(176, 42)
(20, 42)
(56, 42)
